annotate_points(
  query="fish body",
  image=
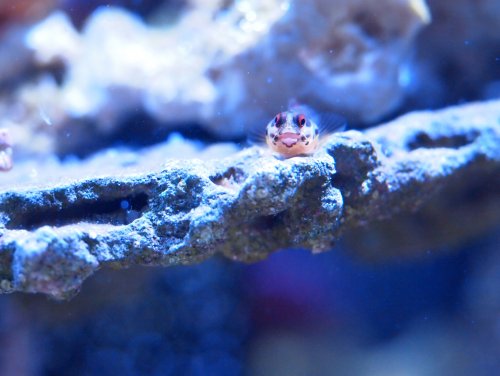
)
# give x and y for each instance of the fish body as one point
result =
(297, 131)
(292, 133)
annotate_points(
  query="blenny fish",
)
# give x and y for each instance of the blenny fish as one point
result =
(297, 131)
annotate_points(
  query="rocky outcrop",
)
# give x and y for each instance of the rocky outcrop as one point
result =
(55, 234)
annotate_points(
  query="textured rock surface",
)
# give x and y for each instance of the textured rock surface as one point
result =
(254, 58)
(238, 73)
(54, 235)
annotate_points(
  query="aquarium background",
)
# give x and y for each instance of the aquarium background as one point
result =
(83, 79)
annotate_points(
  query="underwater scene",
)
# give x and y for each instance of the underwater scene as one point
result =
(250, 187)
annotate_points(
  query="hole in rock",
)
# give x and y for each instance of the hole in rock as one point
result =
(231, 178)
(368, 24)
(269, 222)
(116, 211)
(423, 140)
(343, 181)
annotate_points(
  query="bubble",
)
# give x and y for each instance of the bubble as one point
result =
(124, 204)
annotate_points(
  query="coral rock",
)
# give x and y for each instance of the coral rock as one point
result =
(250, 60)
(55, 234)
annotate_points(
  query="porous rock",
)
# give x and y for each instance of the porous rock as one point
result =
(55, 234)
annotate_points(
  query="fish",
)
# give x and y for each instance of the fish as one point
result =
(300, 132)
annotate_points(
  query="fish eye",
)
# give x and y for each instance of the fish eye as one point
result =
(278, 120)
(300, 120)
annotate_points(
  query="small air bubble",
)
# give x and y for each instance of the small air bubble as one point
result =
(124, 204)
(269, 80)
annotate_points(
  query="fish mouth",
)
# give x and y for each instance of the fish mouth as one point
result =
(289, 139)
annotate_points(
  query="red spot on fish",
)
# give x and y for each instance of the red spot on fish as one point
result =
(300, 120)
(280, 119)
(277, 119)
